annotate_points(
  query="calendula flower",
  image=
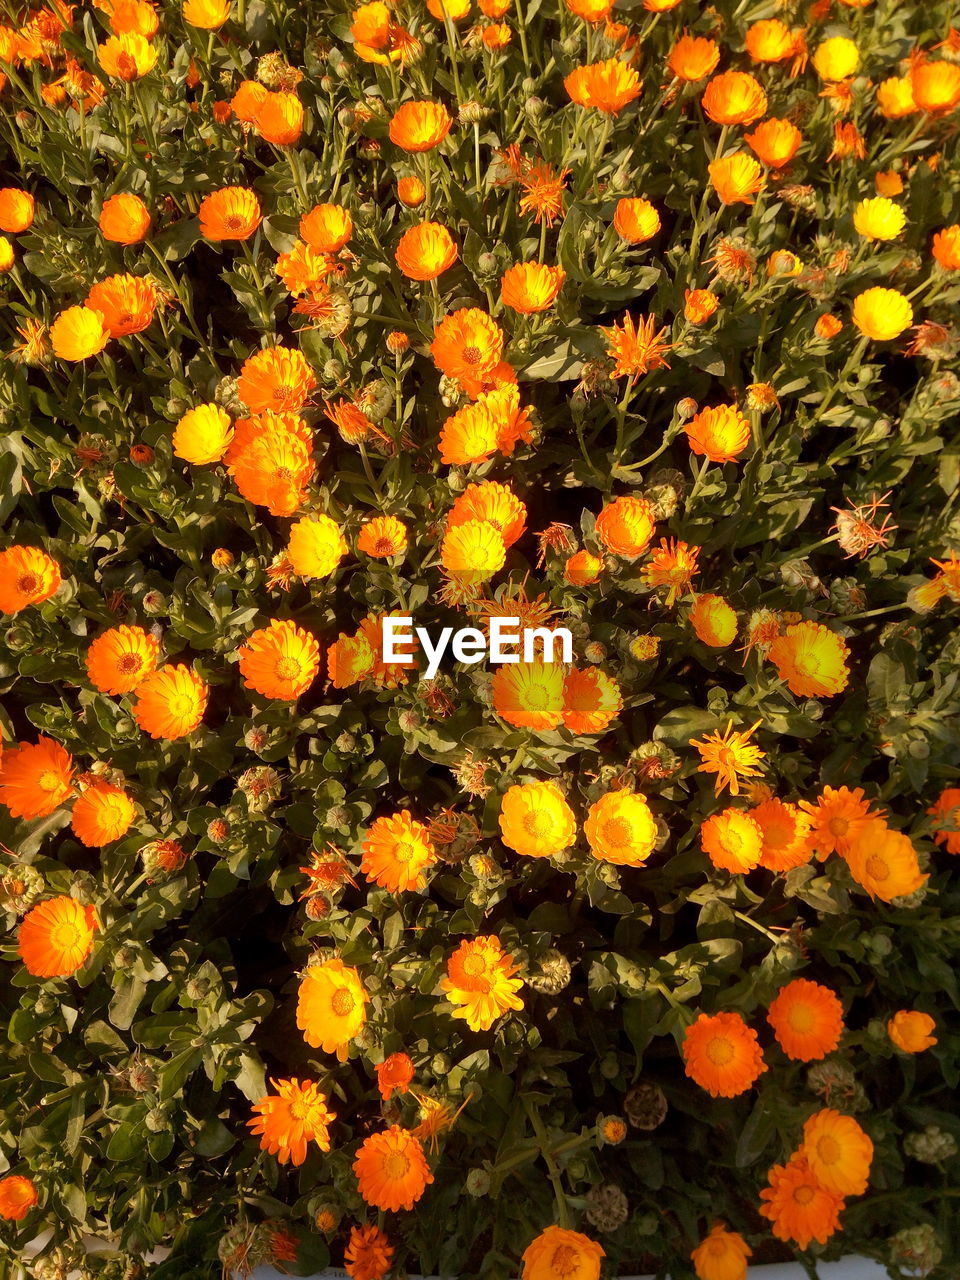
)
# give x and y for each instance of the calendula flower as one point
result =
(672, 565)
(774, 142)
(35, 778)
(607, 86)
(209, 15)
(56, 937)
(879, 219)
(326, 228)
(119, 659)
(811, 660)
(18, 1195)
(369, 1253)
(946, 248)
(720, 434)
(419, 126)
(620, 828)
(17, 210)
(331, 1006)
(170, 702)
(78, 333)
(232, 213)
(912, 1031)
(271, 463)
(946, 810)
(799, 1208)
(102, 813)
(625, 526)
(785, 831)
(203, 435)
(721, 1255)
(561, 1254)
(493, 503)
(245, 103)
(124, 219)
(316, 546)
(290, 1119)
(732, 841)
(895, 97)
(303, 270)
(279, 661)
(721, 1054)
(278, 379)
(591, 700)
(836, 58)
(714, 621)
(480, 982)
(770, 40)
(730, 756)
(635, 220)
(734, 97)
(699, 305)
(838, 817)
(582, 568)
(807, 1020)
(847, 141)
(473, 551)
(467, 345)
(884, 862)
(536, 821)
(425, 251)
(838, 1152)
(279, 118)
(397, 850)
(936, 85)
(127, 57)
(693, 58)
(391, 1169)
(530, 287)
(636, 348)
(542, 188)
(394, 1074)
(27, 576)
(736, 178)
(411, 192)
(593, 11)
(383, 537)
(124, 303)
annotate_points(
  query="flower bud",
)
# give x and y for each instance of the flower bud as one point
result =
(477, 1183)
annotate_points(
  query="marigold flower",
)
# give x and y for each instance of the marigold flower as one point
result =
(411, 192)
(946, 248)
(303, 270)
(394, 1073)
(536, 821)
(316, 546)
(56, 937)
(827, 326)
(288, 1120)
(730, 755)
(246, 102)
(480, 982)
(912, 1031)
(784, 829)
(271, 461)
(331, 1006)
(936, 86)
(124, 219)
(542, 188)
(721, 1255)
(608, 86)
(276, 379)
(27, 576)
(18, 1195)
(636, 348)
(279, 661)
(799, 1208)
(774, 142)
(807, 1020)
(326, 228)
(836, 58)
(621, 829)
(419, 126)
(838, 1152)
(529, 694)
(693, 58)
(590, 10)
(391, 1169)
(35, 778)
(382, 537)
(895, 97)
(124, 303)
(128, 56)
(209, 15)
(369, 1253)
(879, 219)
(560, 1254)
(884, 862)
(847, 141)
(16, 210)
(811, 660)
(473, 551)
(625, 526)
(582, 568)
(591, 700)
(699, 305)
(494, 503)
(78, 333)
(636, 220)
(232, 213)
(838, 817)
(119, 659)
(770, 40)
(397, 850)
(732, 840)
(203, 435)
(170, 702)
(672, 565)
(101, 814)
(736, 178)
(530, 287)
(467, 345)
(425, 251)
(279, 118)
(721, 1054)
(720, 434)
(734, 97)
(946, 810)
(714, 621)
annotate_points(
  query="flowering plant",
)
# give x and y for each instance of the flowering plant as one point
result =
(637, 319)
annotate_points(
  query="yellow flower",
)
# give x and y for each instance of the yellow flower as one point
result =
(331, 1006)
(206, 14)
(836, 58)
(473, 551)
(882, 314)
(77, 333)
(128, 56)
(202, 435)
(480, 982)
(620, 828)
(879, 218)
(536, 820)
(730, 755)
(316, 546)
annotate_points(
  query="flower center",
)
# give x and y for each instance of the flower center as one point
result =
(396, 1166)
(283, 473)
(299, 1109)
(404, 852)
(828, 1149)
(129, 663)
(282, 393)
(343, 1002)
(536, 698)
(181, 704)
(801, 1018)
(27, 583)
(617, 832)
(48, 780)
(287, 668)
(383, 546)
(719, 1051)
(474, 966)
(877, 869)
(838, 826)
(536, 824)
(471, 355)
(565, 1260)
(65, 936)
(803, 1195)
(233, 222)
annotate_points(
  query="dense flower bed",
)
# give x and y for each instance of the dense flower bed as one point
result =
(637, 321)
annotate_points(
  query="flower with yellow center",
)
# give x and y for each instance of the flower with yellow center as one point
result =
(425, 251)
(292, 1118)
(397, 850)
(811, 660)
(127, 57)
(720, 434)
(536, 821)
(785, 829)
(383, 537)
(77, 333)
(672, 565)
(202, 435)
(882, 314)
(879, 218)
(208, 15)
(102, 813)
(884, 862)
(531, 287)
(836, 58)
(838, 817)
(279, 661)
(721, 1054)
(27, 576)
(721, 1255)
(119, 659)
(620, 828)
(473, 551)
(798, 1207)
(529, 694)
(734, 97)
(736, 178)
(591, 700)
(170, 703)
(807, 1020)
(561, 1254)
(331, 1006)
(480, 982)
(56, 937)
(838, 1152)
(391, 1169)
(316, 546)
(732, 841)
(714, 621)
(895, 97)
(730, 755)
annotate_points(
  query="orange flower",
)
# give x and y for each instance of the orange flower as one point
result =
(290, 1119)
(326, 228)
(884, 862)
(128, 56)
(411, 192)
(331, 1006)
(280, 119)
(118, 659)
(807, 1020)
(625, 526)
(419, 126)
(635, 220)
(775, 142)
(536, 821)
(316, 546)
(590, 10)
(78, 333)
(542, 188)
(18, 1195)
(895, 98)
(672, 565)
(425, 251)
(620, 828)
(734, 97)
(827, 326)
(16, 210)
(209, 15)
(946, 248)
(467, 345)
(497, 35)
(102, 813)
(720, 434)
(693, 58)
(382, 537)
(722, 1255)
(27, 576)
(35, 778)
(246, 102)
(472, 551)
(125, 304)
(912, 1031)
(699, 305)
(529, 287)
(124, 219)
(582, 568)
(170, 702)
(608, 86)
(369, 1253)
(494, 503)
(480, 982)
(713, 620)
(561, 1254)
(391, 1169)
(936, 86)
(397, 851)
(351, 422)
(56, 937)
(770, 40)
(946, 810)
(271, 462)
(279, 661)
(591, 701)
(736, 178)
(277, 379)
(394, 1072)
(636, 349)
(721, 1054)
(838, 1152)
(232, 213)
(730, 755)
(847, 141)
(732, 841)
(838, 817)
(529, 694)
(810, 659)
(785, 830)
(799, 1208)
